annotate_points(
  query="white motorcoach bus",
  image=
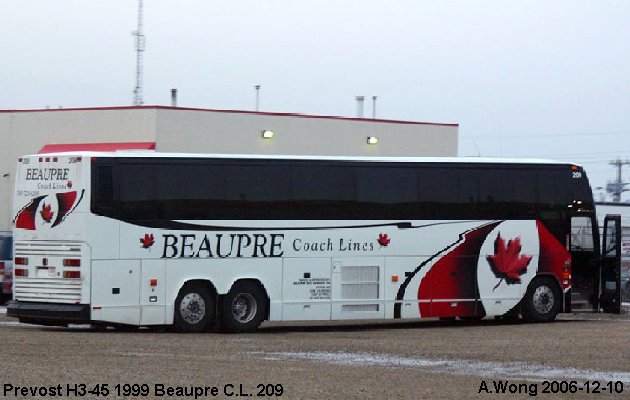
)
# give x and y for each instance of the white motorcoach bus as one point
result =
(227, 241)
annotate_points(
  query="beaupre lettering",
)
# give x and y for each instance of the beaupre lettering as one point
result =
(235, 245)
(47, 174)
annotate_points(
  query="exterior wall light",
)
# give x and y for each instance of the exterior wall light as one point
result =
(372, 140)
(267, 134)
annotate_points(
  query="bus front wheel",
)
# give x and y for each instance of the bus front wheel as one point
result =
(195, 308)
(244, 307)
(542, 301)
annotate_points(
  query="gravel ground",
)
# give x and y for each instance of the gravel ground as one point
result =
(383, 360)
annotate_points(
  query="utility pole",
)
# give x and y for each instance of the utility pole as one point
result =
(139, 42)
(617, 187)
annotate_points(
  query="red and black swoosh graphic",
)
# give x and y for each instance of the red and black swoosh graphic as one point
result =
(553, 254)
(25, 218)
(67, 202)
(454, 275)
(187, 226)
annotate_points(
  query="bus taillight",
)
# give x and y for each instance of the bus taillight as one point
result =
(72, 274)
(21, 272)
(71, 262)
(566, 274)
(1, 267)
(21, 261)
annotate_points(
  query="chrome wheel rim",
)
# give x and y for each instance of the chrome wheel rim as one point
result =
(244, 307)
(543, 299)
(192, 308)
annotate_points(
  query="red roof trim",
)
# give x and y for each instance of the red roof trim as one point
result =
(63, 147)
(272, 114)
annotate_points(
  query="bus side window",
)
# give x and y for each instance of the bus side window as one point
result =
(386, 192)
(581, 234)
(137, 191)
(103, 189)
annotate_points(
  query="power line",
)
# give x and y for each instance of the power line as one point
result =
(545, 135)
(603, 156)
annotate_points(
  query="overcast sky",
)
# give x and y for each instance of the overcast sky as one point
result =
(545, 79)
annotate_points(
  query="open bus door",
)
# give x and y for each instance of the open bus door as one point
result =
(585, 263)
(610, 273)
(595, 274)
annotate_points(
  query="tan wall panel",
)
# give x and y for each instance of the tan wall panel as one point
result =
(217, 132)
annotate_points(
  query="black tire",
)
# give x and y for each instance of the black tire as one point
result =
(542, 300)
(195, 309)
(244, 307)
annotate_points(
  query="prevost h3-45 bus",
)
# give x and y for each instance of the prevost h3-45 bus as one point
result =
(208, 241)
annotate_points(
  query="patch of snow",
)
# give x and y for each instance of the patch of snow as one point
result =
(504, 370)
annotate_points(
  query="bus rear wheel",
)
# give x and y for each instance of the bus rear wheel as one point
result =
(195, 308)
(542, 301)
(244, 307)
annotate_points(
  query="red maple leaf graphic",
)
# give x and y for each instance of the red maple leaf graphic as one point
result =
(147, 241)
(383, 240)
(507, 262)
(47, 213)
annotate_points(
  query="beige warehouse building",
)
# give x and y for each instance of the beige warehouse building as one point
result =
(174, 129)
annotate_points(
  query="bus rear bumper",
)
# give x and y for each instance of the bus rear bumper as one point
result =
(49, 314)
